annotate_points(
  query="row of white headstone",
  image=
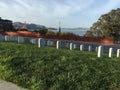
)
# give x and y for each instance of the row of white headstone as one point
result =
(41, 44)
(18, 39)
(111, 53)
(100, 49)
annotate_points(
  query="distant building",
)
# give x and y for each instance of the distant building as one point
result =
(5, 25)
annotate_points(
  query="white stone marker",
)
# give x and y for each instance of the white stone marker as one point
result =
(40, 43)
(71, 46)
(58, 45)
(110, 52)
(33, 40)
(52, 43)
(118, 53)
(6, 38)
(100, 51)
(96, 49)
(81, 47)
(48, 42)
(90, 48)
(20, 39)
(74, 46)
(36, 41)
(67, 45)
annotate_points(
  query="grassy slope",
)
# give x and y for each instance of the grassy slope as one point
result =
(48, 68)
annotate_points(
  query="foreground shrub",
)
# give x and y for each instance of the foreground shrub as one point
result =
(51, 69)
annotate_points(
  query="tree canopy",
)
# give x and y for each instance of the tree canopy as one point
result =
(108, 25)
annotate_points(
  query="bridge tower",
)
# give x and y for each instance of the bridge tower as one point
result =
(24, 26)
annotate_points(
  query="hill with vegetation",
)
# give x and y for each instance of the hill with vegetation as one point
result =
(51, 69)
(108, 25)
(32, 27)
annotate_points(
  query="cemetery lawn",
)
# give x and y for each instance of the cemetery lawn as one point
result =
(50, 69)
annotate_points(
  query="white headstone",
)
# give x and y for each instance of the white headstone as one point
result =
(48, 42)
(33, 40)
(20, 39)
(110, 52)
(36, 41)
(58, 45)
(96, 49)
(40, 43)
(74, 46)
(51, 43)
(100, 51)
(118, 53)
(81, 47)
(71, 46)
(90, 48)
(67, 45)
(6, 38)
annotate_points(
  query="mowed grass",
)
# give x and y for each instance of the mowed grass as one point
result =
(52, 69)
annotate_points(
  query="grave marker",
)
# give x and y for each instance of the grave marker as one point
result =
(100, 51)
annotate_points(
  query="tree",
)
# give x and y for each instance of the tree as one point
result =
(42, 31)
(1, 27)
(108, 25)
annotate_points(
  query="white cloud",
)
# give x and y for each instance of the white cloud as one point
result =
(113, 4)
(69, 7)
(47, 10)
(22, 3)
(2, 5)
(106, 7)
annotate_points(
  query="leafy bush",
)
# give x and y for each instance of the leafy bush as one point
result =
(23, 30)
(42, 31)
(52, 69)
(50, 32)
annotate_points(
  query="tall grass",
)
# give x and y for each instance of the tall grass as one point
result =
(52, 69)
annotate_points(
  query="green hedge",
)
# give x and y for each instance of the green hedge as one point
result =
(52, 69)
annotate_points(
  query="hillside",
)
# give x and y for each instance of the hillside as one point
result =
(18, 25)
(32, 26)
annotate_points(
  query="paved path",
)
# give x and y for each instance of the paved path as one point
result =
(9, 86)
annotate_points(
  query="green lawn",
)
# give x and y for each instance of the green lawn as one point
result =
(52, 69)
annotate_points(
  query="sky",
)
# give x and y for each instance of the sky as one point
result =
(70, 13)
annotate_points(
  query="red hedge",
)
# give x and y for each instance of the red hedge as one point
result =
(61, 37)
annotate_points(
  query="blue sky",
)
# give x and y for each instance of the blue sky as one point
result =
(71, 13)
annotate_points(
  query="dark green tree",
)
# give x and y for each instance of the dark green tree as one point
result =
(1, 27)
(42, 31)
(108, 25)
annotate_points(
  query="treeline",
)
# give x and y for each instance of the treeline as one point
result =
(6, 25)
